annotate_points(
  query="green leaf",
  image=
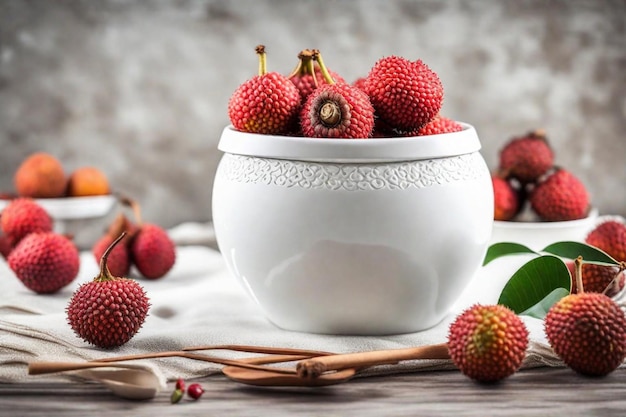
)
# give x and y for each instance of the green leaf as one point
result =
(572, 250)
(540, 309)
(533, 282)
(500, 249)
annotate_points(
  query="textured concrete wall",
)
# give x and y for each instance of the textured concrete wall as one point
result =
(140, 88)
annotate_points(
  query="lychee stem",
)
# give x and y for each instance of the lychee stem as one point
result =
(105, 274)
(578, 263)
(260, 50)
(134, 206)
(614, 281)
(318, 57)
(330, 114)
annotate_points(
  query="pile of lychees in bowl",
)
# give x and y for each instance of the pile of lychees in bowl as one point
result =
(536, 200)
(336, 201)
(399, 97)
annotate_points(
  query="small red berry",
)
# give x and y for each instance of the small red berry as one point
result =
(195, 391)
(180, 384)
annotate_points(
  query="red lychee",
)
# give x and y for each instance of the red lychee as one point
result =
(45, 262)
(268, 103)
(119, 261)
(507, 200)
(488, 342)
(336, 111)
(588, 332)
(438, 125)
(609, 236)
(108, 311)
(559, 197)
(599, 278)
(23, 216)
(406, 94)
(307, 75)
(527, 157)
(152, 251)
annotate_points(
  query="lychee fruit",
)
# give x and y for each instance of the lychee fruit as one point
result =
(23, 216)
(588, 332)
(336, 110)
(406, 94)
(609, 236)
(606, 279)
(507, 199)
(487, 342)
(152, 251)
(527, 157)
(119, 261)
(87, 181)
(268, 103)
(40, 175)
(108, 311)
(439, 125)
(45, 262)
(5, 245)
(560, 197)
(307, 75)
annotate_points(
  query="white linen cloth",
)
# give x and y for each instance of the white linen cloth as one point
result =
(199, 303)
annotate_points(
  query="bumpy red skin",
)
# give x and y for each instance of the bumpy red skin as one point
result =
(305, 83)
(265, 104)
(108, 314)
(506, 199)
(560, 197)
(487, 342)
(526, 158)
(598, 278)
(152, 251)
(588, 332)
(119, 257)
(439, 125)
(23, 216)
(406, 94)
(357, 120)
(5, 246)
(609, 236)
(45, 262)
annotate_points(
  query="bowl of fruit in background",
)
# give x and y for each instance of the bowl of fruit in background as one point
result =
(337, 223)
(536, 201)
(73, 200)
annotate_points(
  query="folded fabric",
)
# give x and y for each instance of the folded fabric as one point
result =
(199, 303)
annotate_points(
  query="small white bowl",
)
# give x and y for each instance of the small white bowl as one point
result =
(353, 236)
(74, 208)
(537, 235)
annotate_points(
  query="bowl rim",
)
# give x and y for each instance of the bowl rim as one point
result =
(535, 225)
(369, 150)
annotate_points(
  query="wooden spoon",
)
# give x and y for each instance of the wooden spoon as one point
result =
(331, 369)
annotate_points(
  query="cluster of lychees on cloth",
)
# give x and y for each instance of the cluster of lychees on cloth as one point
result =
(109, 310)
(527, 174)
(398, 97)
(586, 328)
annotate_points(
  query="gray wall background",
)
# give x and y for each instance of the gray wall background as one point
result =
(140, 88)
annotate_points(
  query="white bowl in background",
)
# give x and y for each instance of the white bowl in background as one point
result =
(353, 236)
(537, 235)
(73, 208)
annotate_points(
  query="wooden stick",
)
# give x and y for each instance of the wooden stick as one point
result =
(261, 349)
(40, 368)
(313, 368)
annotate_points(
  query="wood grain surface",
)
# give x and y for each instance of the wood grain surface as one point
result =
(536, 392)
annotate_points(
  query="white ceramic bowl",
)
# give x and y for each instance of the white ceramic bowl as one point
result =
(537, 235)
(340, 236)
(73, 208)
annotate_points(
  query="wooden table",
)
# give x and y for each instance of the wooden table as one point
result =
(536, 392)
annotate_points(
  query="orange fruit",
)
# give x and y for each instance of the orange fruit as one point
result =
(88, 181)
(40, 175)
